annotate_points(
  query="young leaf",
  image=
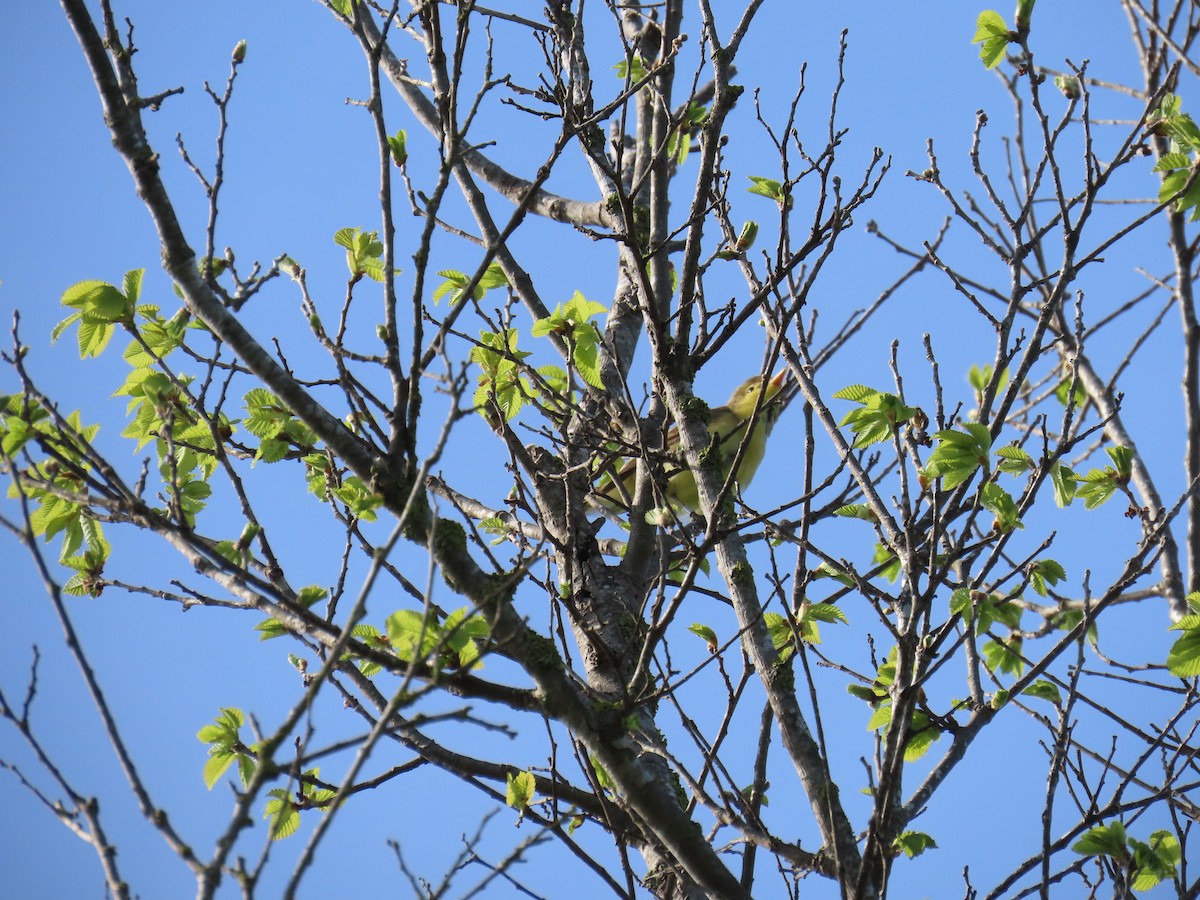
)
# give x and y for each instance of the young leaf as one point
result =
(398, 144)
(572, 321)
(226, 747)
(770, 188)
(914, 843)
(1014, 460)
(706, 634)
(1004, 657)
(520, 790)
(1065, 395)
(632, 70)
(992, 33)
(1122, 458)
(1044, 574)
(857, 511)
(363, 252)
(1156, 861)
(282, 814)
(1000, 503)
(878, 416)
(922, 736)
(979, 377)
(1044, 690)
(1096, 487)
(1103, 840)
(959, 454)
(1183, 660)
(307, 597)
(1063, 480)
(782, 635)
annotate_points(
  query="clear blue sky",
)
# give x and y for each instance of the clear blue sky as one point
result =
(301, 165)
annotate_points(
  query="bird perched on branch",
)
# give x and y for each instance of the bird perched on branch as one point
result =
(727, 431)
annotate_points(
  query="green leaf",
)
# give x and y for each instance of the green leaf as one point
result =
(679, 144)
(1065, 395)
(1014, 460)
(93, 337)
(706, 634)
(1122, 458)
(959, 454)
(500, 379)
(1096, 487)
(881, 717)
(992, 33)
(216, 765)
(810, 614)
(413, 635)
(132, 285)
(1063, 480)
(878, 416)
(1004, 657)
(922, 737)
(633, 69)
(96, 298)
(857, 393)
(1183, 659)
(782, 635)
(1069, 618)
(282, 814)
(914, 843)
(226, 725)
(363, 252)
(572, 322)
(827, 612)
(1170, 121)
(307, 597)
(226, 747)
(979, 377)
(882, 555)
(1044, 574)
(520, 790)
(770, 188)
(463, 636)
(1000, 503)
(1044, 690)
(1103, 840)
(1193, 601)
(398, 144)
(960, 602)
(827, 570)
(1169, 161)
(1156, 861)
(602, 777)
(857, 511)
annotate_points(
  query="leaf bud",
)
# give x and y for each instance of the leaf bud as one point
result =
(1069, 85)
(747, 237)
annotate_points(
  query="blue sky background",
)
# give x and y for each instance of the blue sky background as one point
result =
(301, 164)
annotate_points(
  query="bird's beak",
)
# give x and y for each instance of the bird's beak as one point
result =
(778, 381)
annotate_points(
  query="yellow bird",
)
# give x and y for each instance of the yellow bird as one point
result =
(727, 426)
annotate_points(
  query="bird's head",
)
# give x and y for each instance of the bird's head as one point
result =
(744, 399)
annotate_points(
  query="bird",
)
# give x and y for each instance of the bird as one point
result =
(727, 426)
